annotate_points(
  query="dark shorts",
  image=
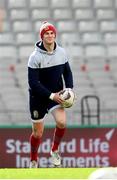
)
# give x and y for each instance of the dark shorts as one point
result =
(39, 107)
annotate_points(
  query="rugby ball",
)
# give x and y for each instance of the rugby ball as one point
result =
(68, 96)
(104, 173)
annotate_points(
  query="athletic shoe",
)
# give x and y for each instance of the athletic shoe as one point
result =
(33, 164)
(56, 159)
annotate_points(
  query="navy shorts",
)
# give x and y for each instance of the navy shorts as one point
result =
(39, 107)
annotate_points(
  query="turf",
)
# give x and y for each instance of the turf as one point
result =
(46, 173)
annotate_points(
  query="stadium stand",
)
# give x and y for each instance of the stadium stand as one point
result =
(88, 31)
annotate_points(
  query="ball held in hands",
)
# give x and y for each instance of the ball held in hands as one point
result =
(68, 96)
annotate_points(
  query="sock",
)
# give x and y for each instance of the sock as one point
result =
(34, 143)
(58, 134)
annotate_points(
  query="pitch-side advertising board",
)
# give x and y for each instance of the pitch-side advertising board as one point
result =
(81, 147)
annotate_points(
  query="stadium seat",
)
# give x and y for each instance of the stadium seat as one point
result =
(68, 39)
(105, 14)
(94, 64)
(19, 14)
(77, 51)
(113, 64)
(87, 26)
(107, 93)
(110, 38)
(108, 26)
(66, 26)
(17, 4)
(6, 78)
(39, 4)
(112, 51)
(82, 82)
(22, 26)
(81, 4)
(60, 3)
(84, 91)
(96, 51)
(25, 38)
(92, 38)
(84, 14)
(112, 103)
(11, 52)
(103, 3)
(62, 14)
(100, 79)
(40, 14)
(6, 39)
(25, 51)
(12, 102)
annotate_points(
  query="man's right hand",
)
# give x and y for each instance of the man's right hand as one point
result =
(56, 97)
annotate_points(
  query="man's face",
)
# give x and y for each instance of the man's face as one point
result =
(49, 37)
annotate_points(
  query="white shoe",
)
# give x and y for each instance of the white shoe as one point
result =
(56, 158)
(33, 164)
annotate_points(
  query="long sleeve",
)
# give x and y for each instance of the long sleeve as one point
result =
(35, 85)
(68, 77)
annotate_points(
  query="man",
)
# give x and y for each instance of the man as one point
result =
(47, 68)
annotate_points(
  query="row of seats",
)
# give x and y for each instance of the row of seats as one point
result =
(66, 39)
(63, 26)
(61, 14)
(61, 3)
(89, 52)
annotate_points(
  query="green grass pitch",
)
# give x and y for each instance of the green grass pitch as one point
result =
(46, 173)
